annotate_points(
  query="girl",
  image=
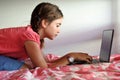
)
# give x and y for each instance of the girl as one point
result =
(17, 44)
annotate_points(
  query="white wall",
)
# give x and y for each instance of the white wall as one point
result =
(84, 21)
(116, 23)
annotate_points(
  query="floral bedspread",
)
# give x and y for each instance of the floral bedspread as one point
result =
(100, 71)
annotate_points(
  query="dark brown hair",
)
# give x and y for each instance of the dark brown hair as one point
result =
(47, 11)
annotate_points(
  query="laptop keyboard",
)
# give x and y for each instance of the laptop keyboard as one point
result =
(95, 61)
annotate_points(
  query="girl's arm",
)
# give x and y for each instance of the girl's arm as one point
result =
(76, 55)
(37, 57)
(35, 54)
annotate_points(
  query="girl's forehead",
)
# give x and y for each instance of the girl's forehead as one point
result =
(58, 20)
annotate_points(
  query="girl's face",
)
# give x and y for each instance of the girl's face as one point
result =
(52, 29)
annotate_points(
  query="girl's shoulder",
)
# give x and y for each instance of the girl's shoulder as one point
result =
(28, 34)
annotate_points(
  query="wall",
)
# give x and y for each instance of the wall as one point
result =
(116, 23)
(84, 21)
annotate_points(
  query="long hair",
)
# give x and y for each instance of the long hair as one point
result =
(47, 11)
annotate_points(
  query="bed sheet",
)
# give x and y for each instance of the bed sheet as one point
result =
(100, 71)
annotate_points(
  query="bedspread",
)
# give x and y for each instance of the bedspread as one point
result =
(100, 71)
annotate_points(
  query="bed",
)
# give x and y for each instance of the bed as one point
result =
(100, 71)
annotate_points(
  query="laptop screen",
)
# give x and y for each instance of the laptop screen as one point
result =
(106, 45)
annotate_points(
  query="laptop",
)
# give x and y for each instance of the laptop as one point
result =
(106, 45)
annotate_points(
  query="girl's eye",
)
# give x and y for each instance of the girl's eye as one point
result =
(58, 26)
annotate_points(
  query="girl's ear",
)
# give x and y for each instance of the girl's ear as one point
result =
(44, 23)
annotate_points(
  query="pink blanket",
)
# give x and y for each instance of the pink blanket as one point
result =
(100, 71)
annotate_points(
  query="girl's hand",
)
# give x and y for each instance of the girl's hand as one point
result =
(78, 56)
(81, 56)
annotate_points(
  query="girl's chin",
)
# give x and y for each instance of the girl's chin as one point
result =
(51, 38)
